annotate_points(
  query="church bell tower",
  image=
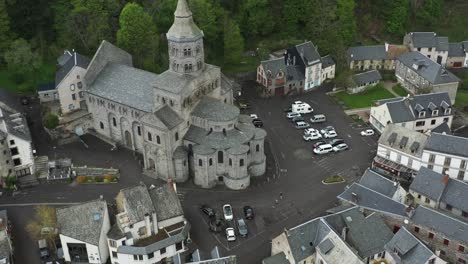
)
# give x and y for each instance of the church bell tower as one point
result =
(185, 41)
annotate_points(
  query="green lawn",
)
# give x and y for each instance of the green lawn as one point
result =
(400, 90)
(365, 98)
(28, 83)
(462, 100)
(246, 64)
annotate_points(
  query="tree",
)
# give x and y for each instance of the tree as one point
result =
(43, 225)
(346, 20)
(164, 15)
(21, 59)
(137, 34)
(398, 17)
(233, 42)
(51, 121)
(257, 19)
(430, 11)
(5, 32)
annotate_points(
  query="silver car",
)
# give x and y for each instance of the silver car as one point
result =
(242, 227)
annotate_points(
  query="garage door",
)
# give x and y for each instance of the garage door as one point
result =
(457, 64)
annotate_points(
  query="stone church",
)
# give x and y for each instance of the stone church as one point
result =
(182, 121)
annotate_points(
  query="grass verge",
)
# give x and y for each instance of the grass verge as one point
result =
(333, 179)
(400, 90)
(365, 98)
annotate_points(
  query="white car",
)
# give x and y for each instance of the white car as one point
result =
(323, 149)
(253, 116)
(367, 132)
(227, 211)
(312, 136)
(230, 234)
(328, 128)
(340, 147)
(311, 130)
(330, 134)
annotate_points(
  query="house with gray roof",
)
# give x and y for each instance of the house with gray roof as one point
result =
(6, 248)
(418, 74)
(16, 143)
(301, 68)
(421, 113)
(458, 54)
(360, 81)
(182, 121)
(69, 84)
(434, 47)
(374, 57)
(82, 231)
(150, 225)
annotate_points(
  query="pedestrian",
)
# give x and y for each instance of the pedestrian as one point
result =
(281, 196)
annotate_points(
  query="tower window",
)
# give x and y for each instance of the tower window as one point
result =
(257, 148)
(176, 136)
(190, 67)
(241, 162)
(158, 140)
(114, 122)
(200, 162)
(211, 162)
(186, 68)
(150, 137)
(220, 157)
(230, 162)
(101, 124)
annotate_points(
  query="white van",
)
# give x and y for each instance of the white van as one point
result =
(303, 108)
(292, 115)
(318, 118)
(323, 149)
(302, 124)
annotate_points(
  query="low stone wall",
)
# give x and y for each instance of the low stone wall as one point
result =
(93, 172)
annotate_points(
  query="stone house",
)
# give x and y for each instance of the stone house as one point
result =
(418, 74)
(182, 122)
(361, 81)
(69, 81)
(458, 54)
(377, 57)
(299, 69)
(421, 113)
(150, 226)
(47, 93)
(82, 232)
(428, 44)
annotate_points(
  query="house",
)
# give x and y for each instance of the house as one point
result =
(150, 226)
(82, 231)
(428, 44)
(361, 81)
(458, 54)
(441, 192)
(16, 150)
(377, 57)
(47, 93)
(279, 258)
(300, 69)
(419, 112)
(6, 248)
(418, 74)
(215, 257)
(404, 247)
(446, 154)
(69, 81)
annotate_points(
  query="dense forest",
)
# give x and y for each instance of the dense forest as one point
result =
(34, 32)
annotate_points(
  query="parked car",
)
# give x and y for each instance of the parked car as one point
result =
(297, 119)
(216, 224)
(312, 136)
(340, 147)
(227, 211)
(367, 132)
(311, 130)
(301, 125)
(330, 134)
(318, 143)
(292, 115)
(318, 118)
(336, 141)
(248, 212)
(230, 235)
(328, 128)
(323, 149)
(257, 122)
(242, 227)
(253, 116)
(303, 108)
(210, 212)
(43, 249)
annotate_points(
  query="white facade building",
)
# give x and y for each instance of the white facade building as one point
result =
(429, 44)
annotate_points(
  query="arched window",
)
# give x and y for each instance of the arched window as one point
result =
(101, 124)
(241, 162)
(190, 68)
(139, 130)
(220, 157)
(186, 68)
(177, 136)
(211, 162)
(224, 131)
(171, 102)
(114, 122)
(230, 162)
(257, 148)
(163, 100)
(150, 137)
(200, 162)
(158, 140)
(189, 52)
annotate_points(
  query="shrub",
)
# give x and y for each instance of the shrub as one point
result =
(109, 177)
(99, 179)
(51, 121)
(333, 179)
(106, 181)
(81, 179)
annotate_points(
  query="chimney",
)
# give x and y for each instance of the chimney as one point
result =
(410, 211)
(285, 56)
(445, 179)
(294, 60)
(147, 224)
(344, 232)
(386, 47)
(354, 197)
(155, 222)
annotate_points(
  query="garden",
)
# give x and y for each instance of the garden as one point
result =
(363, 99)
(96, 179)
(333, 179)
(95, 175)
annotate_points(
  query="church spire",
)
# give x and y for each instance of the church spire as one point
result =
(182, 9)
(183, 28)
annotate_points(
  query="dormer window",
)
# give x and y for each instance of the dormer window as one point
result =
(448, 111)
(422, 114)
(435, 112)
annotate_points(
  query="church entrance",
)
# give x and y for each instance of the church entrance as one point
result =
(151, 164)
(128, 139)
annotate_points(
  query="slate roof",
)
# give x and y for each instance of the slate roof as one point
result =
(442, 43)
(392, 135)
(456, 194)
(366, 77)
(442, 128)
(429, 70)
(428, 40)
(411, 249)
(448, 144)
(183, 28)
(327, 61)
(14, 123)
(456, 49)
(168, 117)
(309, 51)
(378, 183)
(64, 58)
(367, 53)
(428, 183)
(46, 87)
(449, 226)
(115, 233)
(215, 110)
(279, 258)
(372, 200)
(294, 73)
(304, 238)
(83, 221)
(166, 202)
(77, 60)
(125, 85)
(274, 66)
(137, 202)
